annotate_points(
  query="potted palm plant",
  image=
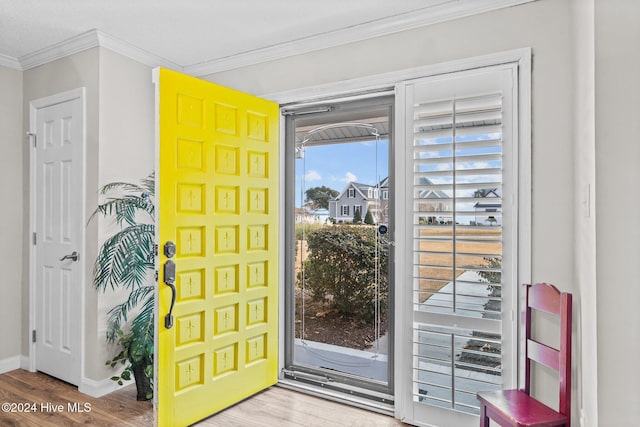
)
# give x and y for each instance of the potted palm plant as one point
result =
(126, 263)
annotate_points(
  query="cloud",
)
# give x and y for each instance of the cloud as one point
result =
(349, 177)
(312, 175)
(474, 165)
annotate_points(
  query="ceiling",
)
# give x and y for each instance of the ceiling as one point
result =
(191, 32)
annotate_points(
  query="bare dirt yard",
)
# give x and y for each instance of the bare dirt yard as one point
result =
(321, 324)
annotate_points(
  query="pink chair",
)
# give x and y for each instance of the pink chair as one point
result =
(517, 407)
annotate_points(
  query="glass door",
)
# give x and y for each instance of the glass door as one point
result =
(339, 316)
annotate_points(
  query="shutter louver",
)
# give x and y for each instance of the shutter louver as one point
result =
(457, 205)
(457, 248)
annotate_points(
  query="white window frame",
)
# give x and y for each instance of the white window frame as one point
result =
(344, 208)
(351, 193)
(521, 234)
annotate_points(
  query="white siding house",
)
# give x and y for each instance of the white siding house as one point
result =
(361, 198)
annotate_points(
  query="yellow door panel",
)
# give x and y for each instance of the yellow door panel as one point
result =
(218, 202)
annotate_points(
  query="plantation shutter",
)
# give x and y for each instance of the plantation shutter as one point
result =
(457, 202)
(458, 134)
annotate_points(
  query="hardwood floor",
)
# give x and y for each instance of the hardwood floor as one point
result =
(281, 407)
(44, 401)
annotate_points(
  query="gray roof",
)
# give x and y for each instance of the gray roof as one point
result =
(363, 188)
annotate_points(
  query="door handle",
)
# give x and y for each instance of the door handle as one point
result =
(73, 256)
(169, 280)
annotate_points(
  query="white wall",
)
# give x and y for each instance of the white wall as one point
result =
(546, 27)
(11, 220)
(126, 153)
(617, 126)
(127, 119)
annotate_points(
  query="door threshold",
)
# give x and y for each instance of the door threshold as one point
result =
(341, 393)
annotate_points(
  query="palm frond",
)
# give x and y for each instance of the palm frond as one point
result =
(124, 186)
(137, 197)
(143, 324)
(119, 314)
(125, 208)
(125, 258)
(149, 183)
(147, 186)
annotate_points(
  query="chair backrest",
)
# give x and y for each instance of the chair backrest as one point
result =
(547, 298)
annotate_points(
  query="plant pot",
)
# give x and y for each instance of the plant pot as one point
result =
(143, 383)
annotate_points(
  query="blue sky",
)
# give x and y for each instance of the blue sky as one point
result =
(335, 165)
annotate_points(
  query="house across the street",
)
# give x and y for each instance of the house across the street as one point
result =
(361, 198)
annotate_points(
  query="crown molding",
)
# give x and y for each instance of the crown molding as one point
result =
(60, 50)
(10, 62)
(442, 12)
(90, 39)
(132, 52)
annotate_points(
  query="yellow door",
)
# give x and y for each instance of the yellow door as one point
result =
(218, 203)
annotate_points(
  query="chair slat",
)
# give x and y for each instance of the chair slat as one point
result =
(545, 297)
(548, 356)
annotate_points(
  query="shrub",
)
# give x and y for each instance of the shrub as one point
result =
(491, 275)
(357, 217)
(341, 267)
(368, 218)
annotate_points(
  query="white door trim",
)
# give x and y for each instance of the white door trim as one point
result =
(34, 106)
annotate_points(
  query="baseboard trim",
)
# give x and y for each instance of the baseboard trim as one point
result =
(87, 386)
(25, 363)
(10, 364)
(99, 388)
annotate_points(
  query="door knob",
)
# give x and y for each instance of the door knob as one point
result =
(73, 256)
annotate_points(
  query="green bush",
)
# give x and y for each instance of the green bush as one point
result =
(492, 275)
(357, 217)
(340, 270)
(368, 218)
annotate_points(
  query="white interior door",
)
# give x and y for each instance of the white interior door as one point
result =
(57, 138)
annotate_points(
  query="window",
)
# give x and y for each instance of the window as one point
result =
(344, 210)
(385, 195)
(351, 193)
(460, 154)
(357, 209)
